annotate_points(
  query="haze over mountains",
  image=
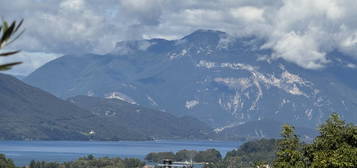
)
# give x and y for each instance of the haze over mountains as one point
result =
(221, 80)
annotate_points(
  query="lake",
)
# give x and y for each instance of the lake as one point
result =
(22, 152)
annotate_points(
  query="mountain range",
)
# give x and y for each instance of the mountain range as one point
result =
(222, 80)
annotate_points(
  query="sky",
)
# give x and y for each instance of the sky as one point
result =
(299, 31)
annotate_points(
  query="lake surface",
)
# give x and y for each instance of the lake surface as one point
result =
(22, 152)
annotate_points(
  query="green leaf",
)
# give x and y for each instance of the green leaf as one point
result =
(19, 25)
(5, 26)
(8, 66)
(9, 53)
(8, 32)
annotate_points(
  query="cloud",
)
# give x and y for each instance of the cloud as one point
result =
(147, 12)
(67, 26)
(248, 13)
(299, 31)
(303, 31)
(291, 46)
(31, 61)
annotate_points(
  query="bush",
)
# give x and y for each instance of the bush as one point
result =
(5, 162)
(91, 162)
(185, 155)
(159, 156)
(209, 155)
(253, 153)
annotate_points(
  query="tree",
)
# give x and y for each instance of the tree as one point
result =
(185, 155)
(209, 155)
(5, 162)
(252, 154)
(336, 146)
(289, 153)
(133, 162)
(8, 34)
(159, 156)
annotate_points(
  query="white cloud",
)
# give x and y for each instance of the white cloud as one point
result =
(301, 49)
(72, 4)
(249, 14)
(300, 31)
(144, 11)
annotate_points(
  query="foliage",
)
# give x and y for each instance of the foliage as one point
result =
(289, 154)
(252, 153)
(249, 155)
(133, 162)
(209, 155)
(91, 162)
(42, 164)
(336, 146)
(159, 156)
(185, 155)
(5, 162)
(8, 34)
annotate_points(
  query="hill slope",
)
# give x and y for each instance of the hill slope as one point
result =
(151, 123)
(28, 113)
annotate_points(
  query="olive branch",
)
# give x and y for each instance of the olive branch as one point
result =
(8, 34)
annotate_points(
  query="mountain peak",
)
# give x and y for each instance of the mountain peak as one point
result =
(201, 34)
